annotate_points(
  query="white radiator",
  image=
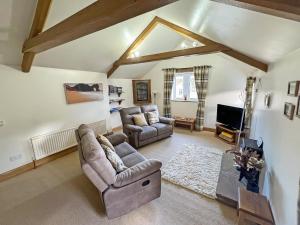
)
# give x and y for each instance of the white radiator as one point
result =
(48, 144)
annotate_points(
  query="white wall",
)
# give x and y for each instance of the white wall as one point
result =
(281, 139)
(34, 103)
(126, 84)
(226, 81)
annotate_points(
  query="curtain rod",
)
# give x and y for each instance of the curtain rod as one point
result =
(187, 69)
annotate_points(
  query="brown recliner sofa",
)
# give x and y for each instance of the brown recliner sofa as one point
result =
(140, 136)
(124, 191)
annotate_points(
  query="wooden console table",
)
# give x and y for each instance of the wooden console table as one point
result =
(185, 121)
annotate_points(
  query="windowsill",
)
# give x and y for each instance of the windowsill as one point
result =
(179, 100)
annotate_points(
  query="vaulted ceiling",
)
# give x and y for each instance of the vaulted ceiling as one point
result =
(263, 37)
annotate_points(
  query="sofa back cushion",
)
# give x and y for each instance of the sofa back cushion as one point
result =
(94, 155)
(127, 114)
(149, 108)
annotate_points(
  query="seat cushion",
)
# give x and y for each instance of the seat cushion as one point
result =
(124, 149)
(133, 159)
(162, 128)
(148, 132)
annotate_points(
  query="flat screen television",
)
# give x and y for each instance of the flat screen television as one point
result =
(230, 116)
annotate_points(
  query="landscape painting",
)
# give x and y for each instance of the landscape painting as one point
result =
(83, 92)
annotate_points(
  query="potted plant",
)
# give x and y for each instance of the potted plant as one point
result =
(250, 163)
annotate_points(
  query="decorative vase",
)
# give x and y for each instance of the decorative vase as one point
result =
(252, 177)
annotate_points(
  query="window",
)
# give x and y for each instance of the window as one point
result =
(184, 87)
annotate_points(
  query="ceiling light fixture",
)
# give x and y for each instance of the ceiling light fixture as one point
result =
(135, 54)
(183, 45)
(195, 44)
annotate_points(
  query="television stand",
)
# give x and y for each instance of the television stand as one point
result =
(231, 135)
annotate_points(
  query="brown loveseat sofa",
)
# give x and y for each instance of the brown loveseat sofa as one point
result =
(140, 136)
(120, 192)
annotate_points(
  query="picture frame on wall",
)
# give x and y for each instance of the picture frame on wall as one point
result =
(294, 88)
(83, 92)
(298, 108)
(289, 110)
(141, 92)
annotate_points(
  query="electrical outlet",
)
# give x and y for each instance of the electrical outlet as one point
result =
(2, 123)
(15, 157)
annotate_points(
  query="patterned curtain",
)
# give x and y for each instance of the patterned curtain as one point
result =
(201, 81)
(249, 100)
(168, 84)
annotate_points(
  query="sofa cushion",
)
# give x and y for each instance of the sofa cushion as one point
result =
(114, 159)
(117, 138)
(149, 108)
(133, 159)
(148, 132)
(126, 114)
(104, 141)
(95, 156)
(124, 149)
(153, 117)
(162, 128)
(140, 120)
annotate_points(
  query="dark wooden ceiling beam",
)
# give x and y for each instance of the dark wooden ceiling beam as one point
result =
(37, 26)
(99, 15)
(288, 9)
(172, 54)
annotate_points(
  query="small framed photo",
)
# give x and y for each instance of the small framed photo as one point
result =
(293, 88)
(298, 108)
(289, 110)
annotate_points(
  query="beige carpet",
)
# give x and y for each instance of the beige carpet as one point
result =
(58, 194)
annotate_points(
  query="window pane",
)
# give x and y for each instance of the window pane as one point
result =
(179, 87)
(193, 92)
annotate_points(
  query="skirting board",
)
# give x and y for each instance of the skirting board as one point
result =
(35, 164)
(209, 129)
(54, 156)
(16, 171)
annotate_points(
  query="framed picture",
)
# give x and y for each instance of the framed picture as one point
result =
(141, 91)
(289, 110)
(298, 108)
(83, 92)
(293, 88)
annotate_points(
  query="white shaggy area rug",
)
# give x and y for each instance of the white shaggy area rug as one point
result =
(196, 168)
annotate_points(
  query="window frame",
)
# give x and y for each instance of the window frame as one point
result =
(186, 87)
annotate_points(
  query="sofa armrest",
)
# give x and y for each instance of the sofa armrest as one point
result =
(94, 177)
(137, 172)
(166, 120)
(117, 138)
(133, 128)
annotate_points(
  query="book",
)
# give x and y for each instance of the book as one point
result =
(227, 134)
